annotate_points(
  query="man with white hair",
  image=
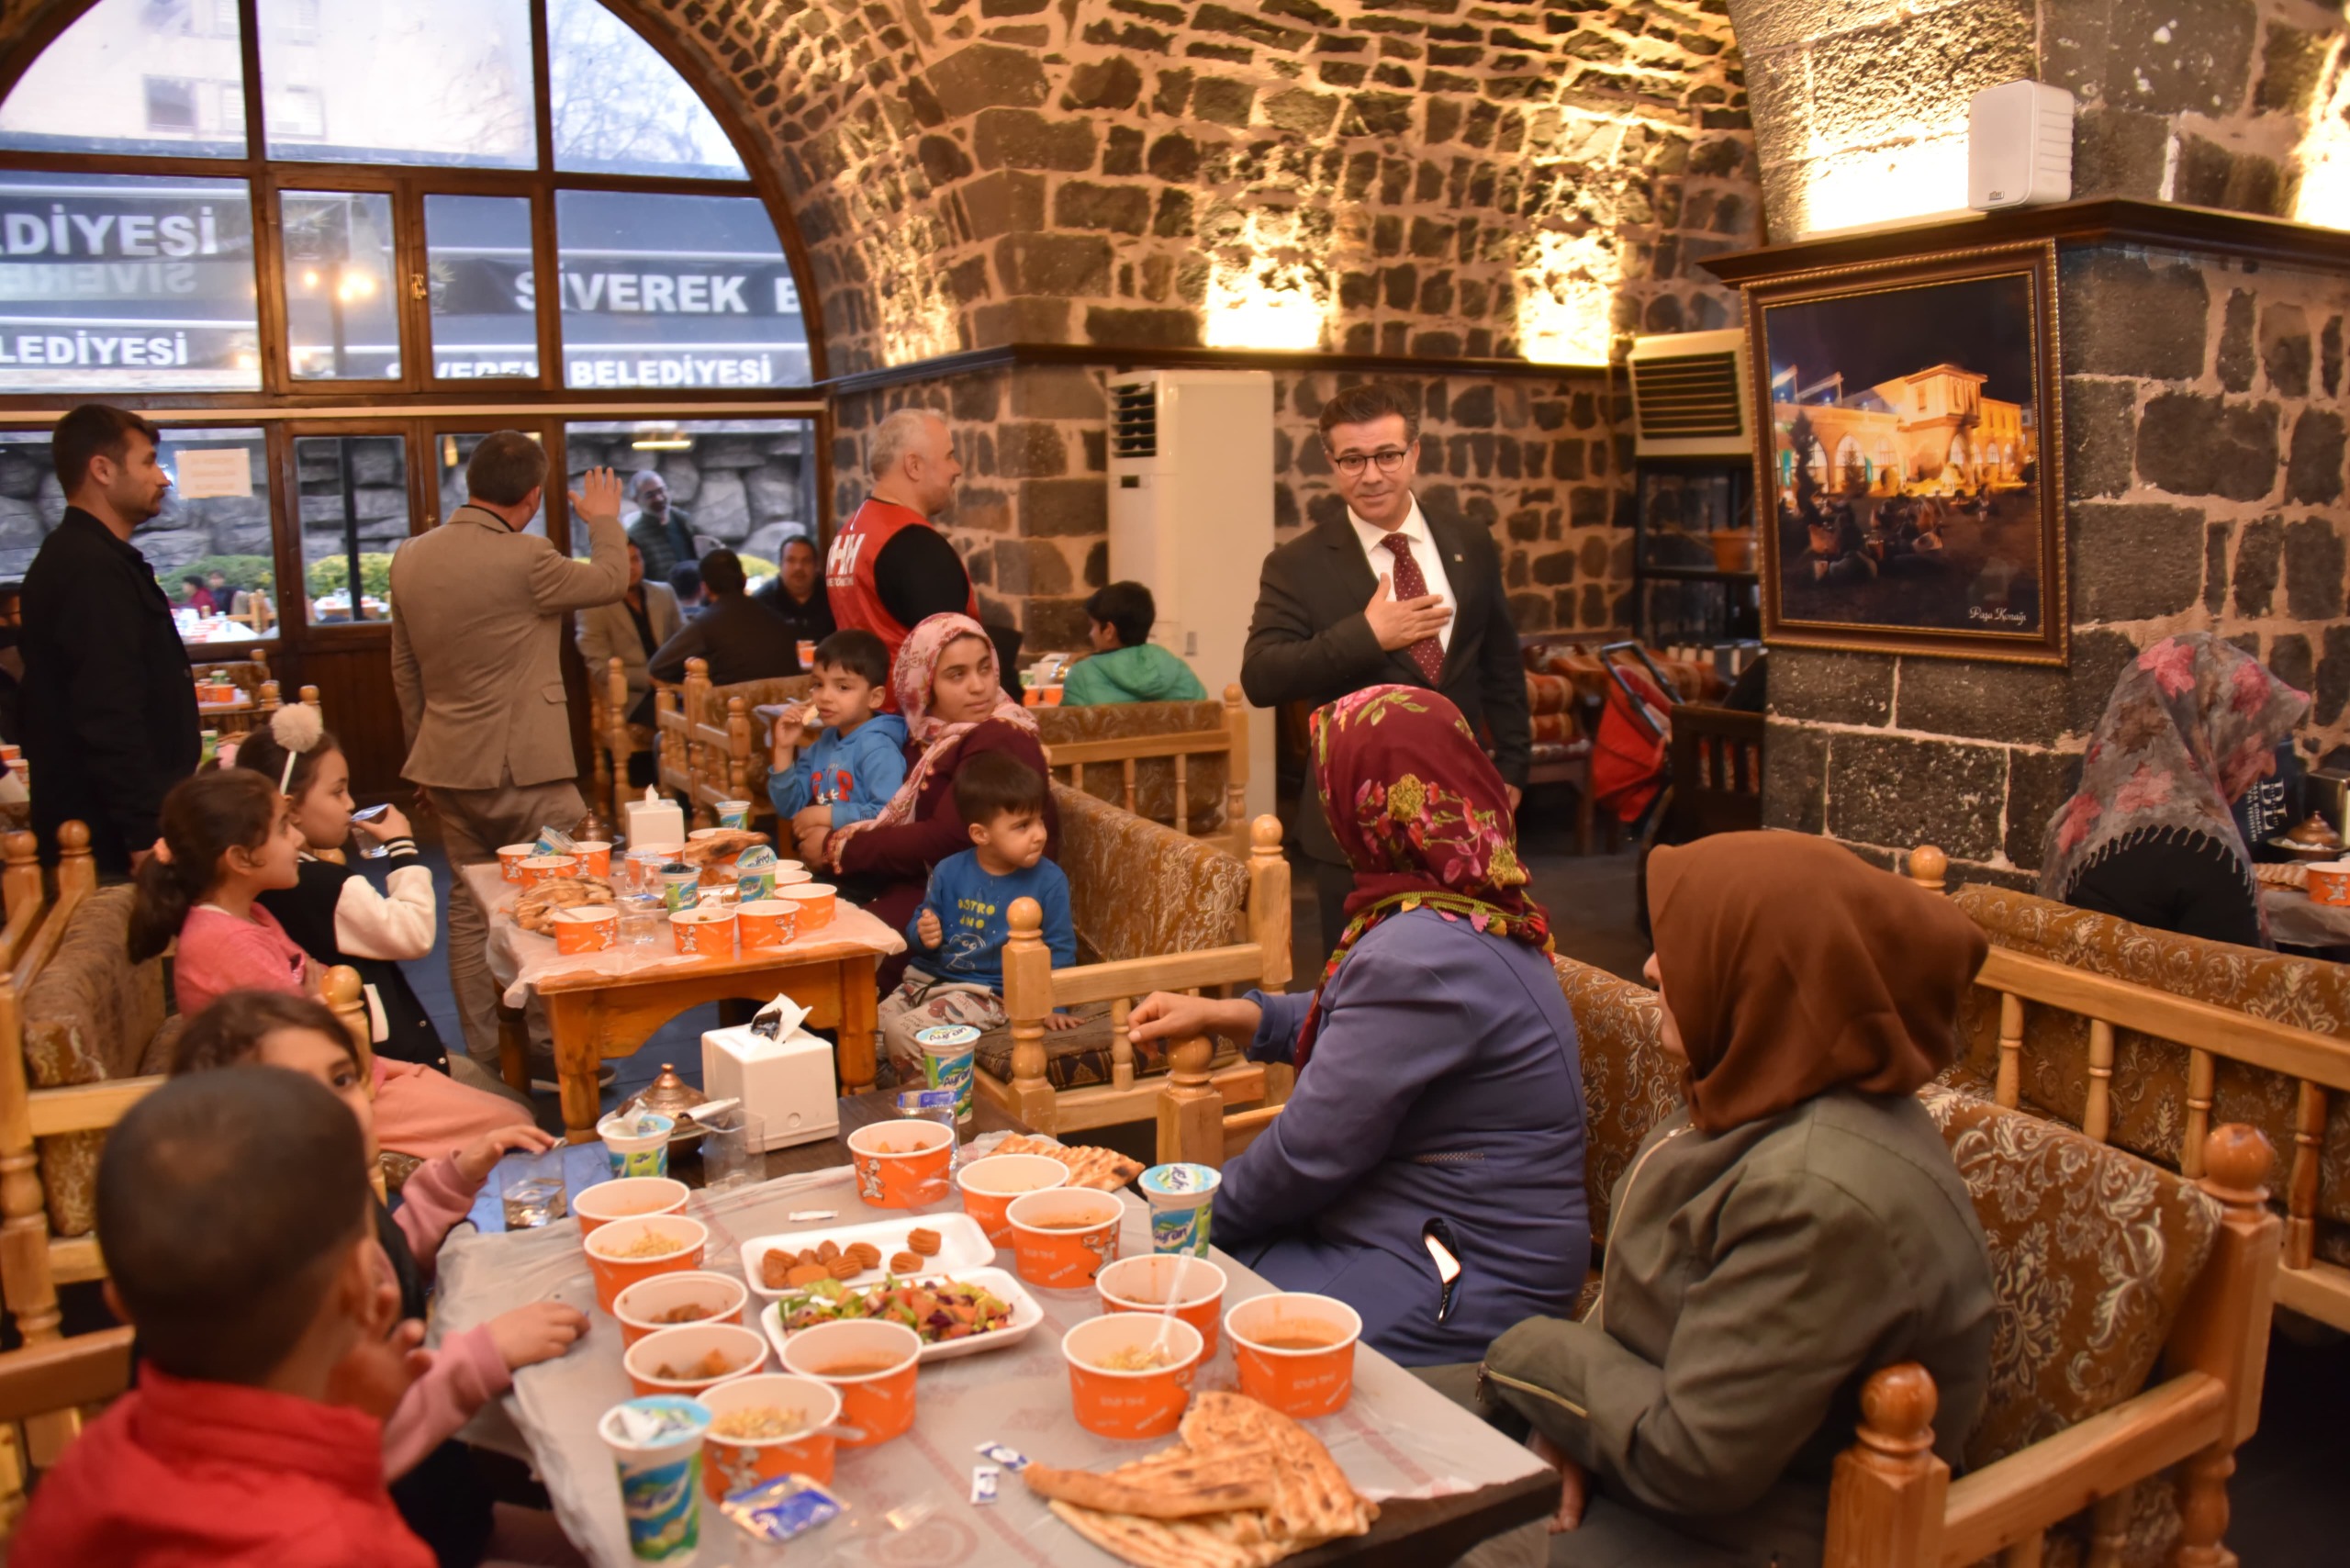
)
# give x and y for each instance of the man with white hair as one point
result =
(663, 533)
(889, 570)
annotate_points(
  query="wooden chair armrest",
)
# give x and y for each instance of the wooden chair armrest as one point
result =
(85, 1107)
(64, 1373)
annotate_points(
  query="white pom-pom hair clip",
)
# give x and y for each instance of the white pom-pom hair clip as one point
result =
(297, 727)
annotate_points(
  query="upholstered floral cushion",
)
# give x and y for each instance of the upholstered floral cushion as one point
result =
(89, 1015)
(1205, 773)
(2092, 1252)
(2149, 1085)
(1080, 1057)
(1628, 1083)
(1139, 889)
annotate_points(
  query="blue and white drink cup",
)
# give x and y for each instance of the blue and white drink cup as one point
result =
(948, 1052)
(657, 1444)
(638, 1145)
(1181, 1198)
(733, 814)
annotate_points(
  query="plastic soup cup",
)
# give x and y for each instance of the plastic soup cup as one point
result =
(988, 1186)
(1295, 1351)
(729, 1464)
(621, 1253)
(1063, 1237)
(870, 1364)
(1112, 1400)
(1143, 1284)
(901, 1164)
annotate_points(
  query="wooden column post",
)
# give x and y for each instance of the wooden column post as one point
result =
(738, 749)
(1885, 1503)
(2224, 1330)
(1268, 907)
(348, 999)
(1191, 1112)
(1236, 768)
(77, 874)
(616, 739)
(20, 882)
(1929, 868)
(1027, 998)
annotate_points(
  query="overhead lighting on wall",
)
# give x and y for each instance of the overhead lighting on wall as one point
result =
(1566, 298)
(665, 439)
(1915, 171)
(2324, 155)
(1270, 307)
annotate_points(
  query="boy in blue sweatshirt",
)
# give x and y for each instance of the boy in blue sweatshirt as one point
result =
(959, 932)
(849, 772)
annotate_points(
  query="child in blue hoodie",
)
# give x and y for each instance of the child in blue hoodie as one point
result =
(849, 772)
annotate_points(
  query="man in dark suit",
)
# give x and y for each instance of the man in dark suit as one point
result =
(109, 703)
(1383, 595)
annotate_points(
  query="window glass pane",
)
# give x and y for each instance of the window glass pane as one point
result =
(214, 526)
(161, 76)
(418, 82)
(478, 253)
(620, 108)
(354, 514)
(670, 291)
(744, 484)
(456, 449)
(342, 317)
(121, 282)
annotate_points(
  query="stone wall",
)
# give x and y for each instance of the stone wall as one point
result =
(2204, 472)
(1532, 459)
(1860, 106)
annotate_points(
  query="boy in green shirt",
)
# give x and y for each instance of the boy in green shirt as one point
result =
(1126, 665)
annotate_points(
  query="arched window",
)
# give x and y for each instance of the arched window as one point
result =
(327, 245)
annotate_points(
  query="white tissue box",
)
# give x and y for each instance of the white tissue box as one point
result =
(787, 1083)
(655, 821)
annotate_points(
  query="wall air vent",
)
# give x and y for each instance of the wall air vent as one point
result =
(1134, 420)
(1689, 394)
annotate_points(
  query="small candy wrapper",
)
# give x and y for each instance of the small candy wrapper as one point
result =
(777, 1019)
(1009, 1458)
(913, 1101)
(553, 841)
(905, 1516)
(983, 1483)
(781, 1509)
(812, 1217)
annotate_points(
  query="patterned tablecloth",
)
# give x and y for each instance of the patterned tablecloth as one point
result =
(909, 1500)
(519, 960)
(2295, 920)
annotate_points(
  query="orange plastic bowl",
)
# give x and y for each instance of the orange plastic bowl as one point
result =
(729, 1464)
(537, 868)
(1278, 1367)
(706, 930)
(815, 898)
(2330, 882)
(591, 928)
(1143, 1404)
(1143, 1284)
(1063, 1236)
(511, 857)
(615, 1271)
(626, 1197)
(988, 1186)
(765, 923)
(643, 1307)
(684, 1349)
(870, 1364)
(595, 856)
(901, 1165)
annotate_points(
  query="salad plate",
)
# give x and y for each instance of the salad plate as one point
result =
(903, 1296)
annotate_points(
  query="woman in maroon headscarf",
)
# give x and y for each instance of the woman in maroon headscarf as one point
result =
(1439, 1092)
(1798, 1226)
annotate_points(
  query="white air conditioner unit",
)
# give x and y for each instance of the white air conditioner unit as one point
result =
(1689, 394)
(1192, 520)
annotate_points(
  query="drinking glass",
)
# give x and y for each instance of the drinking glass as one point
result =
(533, 1193)
(731, 1149)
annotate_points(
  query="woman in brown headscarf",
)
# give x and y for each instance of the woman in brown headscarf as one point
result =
(1799, 1225)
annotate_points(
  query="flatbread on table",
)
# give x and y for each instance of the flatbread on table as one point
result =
(535, 908)
(1088, 1165)
(1143, 1513)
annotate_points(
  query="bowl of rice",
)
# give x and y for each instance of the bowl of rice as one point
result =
(764, 1426)
(627, 1250)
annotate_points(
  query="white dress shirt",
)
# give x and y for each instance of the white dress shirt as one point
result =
(1424, 550)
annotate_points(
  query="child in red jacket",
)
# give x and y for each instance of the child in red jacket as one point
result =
(237, 1225)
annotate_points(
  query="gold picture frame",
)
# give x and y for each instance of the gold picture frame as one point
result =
(1910, 485)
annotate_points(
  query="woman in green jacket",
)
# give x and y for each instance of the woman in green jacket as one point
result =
(1796, 1227)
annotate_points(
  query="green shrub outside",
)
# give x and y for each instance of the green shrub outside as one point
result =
(333, 575)
(245, 572)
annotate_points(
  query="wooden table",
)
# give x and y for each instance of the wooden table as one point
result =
(597, 1014)
(1398, 1435)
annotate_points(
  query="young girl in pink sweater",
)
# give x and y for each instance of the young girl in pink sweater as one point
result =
(230, 836)
(431, 1476)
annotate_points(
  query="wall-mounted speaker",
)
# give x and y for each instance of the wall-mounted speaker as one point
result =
(2018, 146)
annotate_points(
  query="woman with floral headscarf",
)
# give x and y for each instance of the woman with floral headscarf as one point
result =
(948, 689)
(2150, 837)
(1440, 1095)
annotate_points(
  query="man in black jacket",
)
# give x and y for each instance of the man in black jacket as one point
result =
(1383, 595)
(741, 638)
(109, 701)
(797, 593)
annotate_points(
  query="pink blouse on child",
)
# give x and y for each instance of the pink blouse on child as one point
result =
(220, 953)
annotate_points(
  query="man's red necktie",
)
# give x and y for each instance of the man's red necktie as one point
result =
(1428, 653)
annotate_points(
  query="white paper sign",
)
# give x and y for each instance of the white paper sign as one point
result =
(209, 471)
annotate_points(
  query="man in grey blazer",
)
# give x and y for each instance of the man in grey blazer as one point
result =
(478, 610)
(629, 629)
(1384, 594)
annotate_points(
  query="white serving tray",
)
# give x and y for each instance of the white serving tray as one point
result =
(962, 1246)
(997, 1283)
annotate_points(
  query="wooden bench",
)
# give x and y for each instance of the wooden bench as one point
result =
(2145, 1038)
(704, 744)
(1185, 764)
(1153, 911)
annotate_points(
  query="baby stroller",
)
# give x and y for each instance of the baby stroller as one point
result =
(1631, 751)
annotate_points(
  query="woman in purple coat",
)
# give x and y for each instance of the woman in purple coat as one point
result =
(1439, 1093)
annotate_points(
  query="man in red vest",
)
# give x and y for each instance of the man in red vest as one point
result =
(889, 570)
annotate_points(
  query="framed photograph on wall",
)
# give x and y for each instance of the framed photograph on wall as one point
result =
(1908, 484)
